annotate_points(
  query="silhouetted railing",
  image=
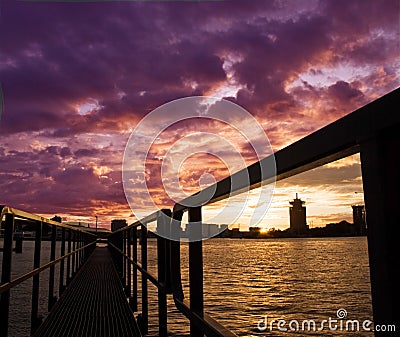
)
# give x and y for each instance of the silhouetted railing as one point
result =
(372, 131)
(75, 247)
(124, 244)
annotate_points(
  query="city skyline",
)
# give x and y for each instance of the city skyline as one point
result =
(77, 78)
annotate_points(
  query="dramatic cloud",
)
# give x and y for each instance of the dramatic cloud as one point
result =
(78, 77)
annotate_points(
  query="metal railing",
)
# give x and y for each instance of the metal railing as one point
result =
(124, 246)
(371, 131)
(75, 247)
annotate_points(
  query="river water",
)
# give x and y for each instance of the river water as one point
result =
(248, 283)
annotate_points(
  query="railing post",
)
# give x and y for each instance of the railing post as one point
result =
(93, 246)
(175, 258)
(88, 250)
(85, 250)
(124, 262)
(380, 173)
(62, 262)
(6, 271)
(196, 268)
(73, 262)
(163, 222)
(52, 299)
(129, 265)
(144, 322)
(80, 254)
(69, 257)
(119, 242)
(134, 300)
(35, 320)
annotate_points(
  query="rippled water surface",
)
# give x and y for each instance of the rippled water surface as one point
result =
(248, 281)
(290, 279)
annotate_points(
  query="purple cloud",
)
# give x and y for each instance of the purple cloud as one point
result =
(78, 77)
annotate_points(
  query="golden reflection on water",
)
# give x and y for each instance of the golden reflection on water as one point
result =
(302, 278)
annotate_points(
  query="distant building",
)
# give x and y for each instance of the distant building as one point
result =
(235, 233)
(211, 230)
(254, 232)
(208, 230)
(117, 224)
(297, 212)
(359, 219)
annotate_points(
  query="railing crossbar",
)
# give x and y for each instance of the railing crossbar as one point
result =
(139, 267)
(20, 279)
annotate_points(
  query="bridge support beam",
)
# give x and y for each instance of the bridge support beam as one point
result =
(381, 180)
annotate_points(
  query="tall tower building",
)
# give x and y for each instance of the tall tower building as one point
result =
(297, 212)
(359, 219)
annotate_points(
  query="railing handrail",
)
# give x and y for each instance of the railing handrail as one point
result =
(149, 218)
(332, 142)
(4, 209)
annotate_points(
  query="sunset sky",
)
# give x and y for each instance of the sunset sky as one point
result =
(77, 78)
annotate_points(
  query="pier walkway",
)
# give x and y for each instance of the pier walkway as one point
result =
(93, 305)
